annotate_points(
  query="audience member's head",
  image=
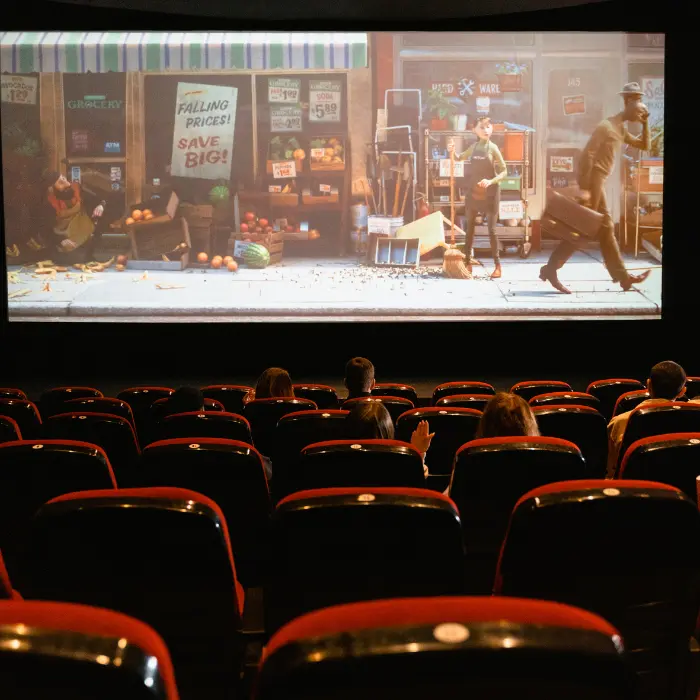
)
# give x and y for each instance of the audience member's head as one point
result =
(185, 400)
(369, 420)
(359, 376)
(507, 415)
(666, 381)
(274, 383)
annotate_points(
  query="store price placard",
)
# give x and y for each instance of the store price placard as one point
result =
(19, 90)
(284, 169)
(325, 98)
(285, 90)
(510, 209)
(287, 118)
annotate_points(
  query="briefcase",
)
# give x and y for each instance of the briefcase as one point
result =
(566, 219)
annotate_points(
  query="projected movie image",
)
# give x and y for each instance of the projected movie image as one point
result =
(359, 177)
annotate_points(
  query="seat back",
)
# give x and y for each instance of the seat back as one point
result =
(6, 590)
(294, 432)
(489, 477)
(453, 388)
(446, 647)
(608, 391)
(213, 424)
(25, 414)
(453, 427)
(161, 555)
(53, 400)
(333, 546)
(395, 405)
(325, 397)
(140, 399)
(582, 425)
(672, 459)
(229, 395)
(347, 463)
(113, 434)
(629, 401)
(529, 389)
(692, 387)
(615, 548)
(7, 392)
(115, 407)
(659, 419)
(563, 398)
(476, 401)
(160, 410)
(403, 391)
(75, 652)
(32, 472)
(264, 414)
(231, 474)
(9, 430)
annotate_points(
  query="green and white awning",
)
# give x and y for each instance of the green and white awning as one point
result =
(102, 52)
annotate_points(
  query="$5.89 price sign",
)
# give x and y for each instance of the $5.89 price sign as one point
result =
(324, 101)
(286, 118)
(283, 90)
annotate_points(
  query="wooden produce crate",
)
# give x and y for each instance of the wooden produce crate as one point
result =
(330, 146)
(277, 199)
(314, 199)
(644, 184)
(396, 252)
(150, 245)
(198, 215)
(273, 241)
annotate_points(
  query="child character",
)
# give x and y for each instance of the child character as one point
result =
(486, 170)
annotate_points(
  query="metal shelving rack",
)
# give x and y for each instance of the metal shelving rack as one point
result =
(504, 234)
(637, 192)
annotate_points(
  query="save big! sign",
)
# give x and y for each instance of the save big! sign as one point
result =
(205, 122)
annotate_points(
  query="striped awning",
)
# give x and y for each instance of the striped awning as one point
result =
(102, 52)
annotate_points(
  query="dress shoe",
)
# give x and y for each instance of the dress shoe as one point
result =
(496, 272)
(547, 275)
(634, 279)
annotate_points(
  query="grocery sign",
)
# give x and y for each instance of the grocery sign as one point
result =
(18, 90)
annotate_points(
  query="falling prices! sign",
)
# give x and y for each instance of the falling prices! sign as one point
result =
(205, 121)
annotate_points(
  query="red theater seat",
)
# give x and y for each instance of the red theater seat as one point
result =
(325, 397)
(9, 430)
(34, 471)
(230, 395)
(333, 546)
(476, 401)
(529, 389)
(672, 459)
(52, 401)
(347, 463)
(562, 398)
(489, 477)
(141, 398)
(629, 401)
(659, 419)
(403, 391)
(264, 414)
(160, 410)
(294, 432)
(161, 555)
(610, 390)
(626, 550)
(582, 425)
(6, 590)
(454, 388)
(10, 393)
(692, 387)
(449, 647)
(213, 424)
(75, 652)
(25, 414)
(232, 475)
(113, 434)
(393, 404)
(115, 407)
(452, 427)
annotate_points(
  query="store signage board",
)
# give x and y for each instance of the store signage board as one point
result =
(483, 105)
(561, 164)
(574, 104)
(18, 90)
(656, 175)
(239, 247)
(653, 89)
(489, 89)
(508, 209)
(324, 100)
(205, 122)
(115, 174)
(284, 169)
(283, 90)
(75, 174)
(445, 88)
(325, 189)
(274, 189)
(79, 140)
(445, 166)
(287, 118)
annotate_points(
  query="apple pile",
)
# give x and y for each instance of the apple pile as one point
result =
(252, 224)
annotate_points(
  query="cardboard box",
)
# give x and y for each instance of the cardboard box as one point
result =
(150, 244)
(164, 211)
(273, 241)
(395, 252)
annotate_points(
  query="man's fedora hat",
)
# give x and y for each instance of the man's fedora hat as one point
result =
(632, 89)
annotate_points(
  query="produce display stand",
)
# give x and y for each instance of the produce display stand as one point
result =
(438, 188)
(638, 184)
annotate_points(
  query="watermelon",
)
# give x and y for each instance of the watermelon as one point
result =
(219, 194)
(256, 256)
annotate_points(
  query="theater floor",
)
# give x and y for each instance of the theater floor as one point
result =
(329, 290)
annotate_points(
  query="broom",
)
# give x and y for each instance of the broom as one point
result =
(453, 260)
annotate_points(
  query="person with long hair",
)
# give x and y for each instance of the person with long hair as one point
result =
(507, 415)
(273, 383)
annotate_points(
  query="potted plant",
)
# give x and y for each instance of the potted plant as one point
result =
(440, 108)
(510, 75)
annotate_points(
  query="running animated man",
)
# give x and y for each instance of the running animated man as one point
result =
(595, 165)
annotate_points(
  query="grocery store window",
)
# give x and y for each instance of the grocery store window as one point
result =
(575, 105)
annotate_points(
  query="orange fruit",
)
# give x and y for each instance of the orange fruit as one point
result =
(147, 217)
(202, 257)
(232, 266)
(137, 215)
(129, 221)
(216, 262)
(227, 259)
(147, 213)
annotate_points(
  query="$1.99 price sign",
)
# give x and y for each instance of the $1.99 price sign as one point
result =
(324, 101)
(283, 90)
